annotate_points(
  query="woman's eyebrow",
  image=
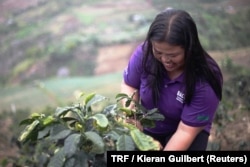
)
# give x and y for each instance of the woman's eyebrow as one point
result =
(156, 49)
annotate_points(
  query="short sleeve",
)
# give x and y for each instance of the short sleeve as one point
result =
(201, 110)
(133, 71)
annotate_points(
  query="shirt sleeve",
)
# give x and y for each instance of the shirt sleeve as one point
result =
(202, 108)
(133, 71)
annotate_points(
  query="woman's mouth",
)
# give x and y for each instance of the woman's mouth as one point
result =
(169, 65)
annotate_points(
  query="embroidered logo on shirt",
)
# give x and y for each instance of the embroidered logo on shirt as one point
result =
(202, 117)
(180, 96)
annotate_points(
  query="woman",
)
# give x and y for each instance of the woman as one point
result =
(172, 72)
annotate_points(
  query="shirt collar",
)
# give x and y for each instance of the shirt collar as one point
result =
(180, 78)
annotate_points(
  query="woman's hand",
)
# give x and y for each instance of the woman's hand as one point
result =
(183, 137)
(140, 127)
(135, 123)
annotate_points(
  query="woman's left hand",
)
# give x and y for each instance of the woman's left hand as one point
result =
(135, 123)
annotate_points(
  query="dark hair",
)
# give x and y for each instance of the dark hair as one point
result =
(176, 27)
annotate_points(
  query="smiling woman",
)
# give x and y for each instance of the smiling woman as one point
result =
(172, 72)
(172, 57)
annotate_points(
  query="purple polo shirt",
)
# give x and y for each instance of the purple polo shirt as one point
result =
(200, 112)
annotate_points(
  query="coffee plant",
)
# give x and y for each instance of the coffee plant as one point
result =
(80, 135)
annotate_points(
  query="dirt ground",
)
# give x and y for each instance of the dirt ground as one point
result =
(7, 148)
(116, 60)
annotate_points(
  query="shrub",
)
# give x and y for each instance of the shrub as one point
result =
(80, 135)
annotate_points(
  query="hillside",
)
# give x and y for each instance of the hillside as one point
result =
(42, 39)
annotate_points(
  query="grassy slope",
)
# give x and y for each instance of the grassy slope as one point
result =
(62, 89)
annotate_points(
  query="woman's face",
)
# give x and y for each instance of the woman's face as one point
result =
(171, 56)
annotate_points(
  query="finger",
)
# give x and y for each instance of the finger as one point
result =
(130, 121)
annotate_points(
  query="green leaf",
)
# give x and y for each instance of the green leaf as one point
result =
(125, 143)
(48, 120)
(143, 141)
(121, 130)
(79, 114)
(26, 121)
(62, 111)
(88, 98)
(155, 117)
(36, 115)
(70, 162)
(128, 102)
(61, 135)
(127, 111)
(154, 110)
(43, 133)
(101, 120)
(94, 99)
(82, 159)
(98, 144)
(121, 96)
(141, 108)
(42, 158)
(28, 131)
(123, 123)
(59, 132)
(110, 110)
(113, 135)
(71, 144)
(58, 159)
(89, 125)
(147, 123)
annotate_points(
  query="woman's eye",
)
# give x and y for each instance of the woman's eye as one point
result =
(158, 53)
(172, 56)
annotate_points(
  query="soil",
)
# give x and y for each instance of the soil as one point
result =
(116, 60)
(7, 148)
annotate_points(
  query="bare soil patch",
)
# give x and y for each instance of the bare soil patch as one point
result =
(113, 58)
(7, 148)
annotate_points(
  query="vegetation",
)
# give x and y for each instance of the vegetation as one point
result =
(80, 134)
(48, 93)
(233, 107)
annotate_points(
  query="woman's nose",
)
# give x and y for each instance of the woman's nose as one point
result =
(165, 58)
